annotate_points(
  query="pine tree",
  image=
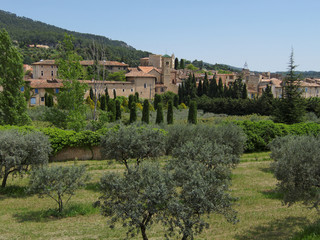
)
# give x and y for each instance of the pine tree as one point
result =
(176, 63)
(145, 112)
(170, 112)
(291, 108)
(192, 115)
(159, 118)
(133, 113)
(13, 107)
(118, 110)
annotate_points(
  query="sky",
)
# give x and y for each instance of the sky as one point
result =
(259, 32)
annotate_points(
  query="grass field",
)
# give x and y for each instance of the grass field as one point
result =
(260, 212)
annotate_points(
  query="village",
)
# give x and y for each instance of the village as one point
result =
(155, 75)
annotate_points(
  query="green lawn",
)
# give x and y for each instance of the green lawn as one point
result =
(260, 212)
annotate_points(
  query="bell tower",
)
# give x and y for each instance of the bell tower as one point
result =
(166, 69)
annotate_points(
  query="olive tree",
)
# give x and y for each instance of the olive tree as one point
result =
(201, 173)
(297, 168)
(58, 182)
(137, 199)
(133, 142)
(21, 150)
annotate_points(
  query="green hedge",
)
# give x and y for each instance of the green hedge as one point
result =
(261, 133)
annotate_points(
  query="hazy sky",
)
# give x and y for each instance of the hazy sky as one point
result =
(259, 32)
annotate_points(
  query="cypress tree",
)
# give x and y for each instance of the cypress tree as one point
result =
(157, 100)
(131, 100)
(205, 85)
(176, 100)
(50, 101)
(107, 95)
(118, 110)
(145, 112)
(244, 94)
(220, 89)
(103, 102)
(46, 99)
(176, 63)
(200, 90)
(192, 115)
(180, 93)
(114, 94)
(213, 88)
(182, 64)
(91, 94)
(133, 112)
(136, 95)
(159, 118)
(112, 110)
(170, 112)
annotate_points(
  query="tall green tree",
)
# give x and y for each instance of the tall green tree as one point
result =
(13, 107)
(133, 112)
(220, 88)
(192, 115)
(118, 110)
(157, 100)
(170, 112)
(159, 117)
(145, 111)
(182, 64)
(205, 86)
(200, 89)
(291, 108)
(176, 63)
(112, 110)
(107, 95)
(114, 94)
(176, 100)
(103, 102)
(213, 88)
(71, 97)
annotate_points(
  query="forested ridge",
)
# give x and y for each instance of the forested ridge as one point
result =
(25, 31)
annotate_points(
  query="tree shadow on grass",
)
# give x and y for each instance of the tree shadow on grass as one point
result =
(272, 194)
(14, 192)
(53, 214)
(274, 230)
(95, 187)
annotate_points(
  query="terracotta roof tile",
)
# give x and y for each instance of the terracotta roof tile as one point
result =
(138, 74)
(44, 62)
(40, 83)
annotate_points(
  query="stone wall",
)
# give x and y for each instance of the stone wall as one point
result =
(77, 153)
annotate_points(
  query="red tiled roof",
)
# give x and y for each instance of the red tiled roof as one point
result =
(40, 83)
(146, 69)
(139, 74)
(45, 62)
(106, 63)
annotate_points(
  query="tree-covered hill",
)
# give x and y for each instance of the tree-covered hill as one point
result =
(27, 31)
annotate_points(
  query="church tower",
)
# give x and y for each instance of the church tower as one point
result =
(166, 69)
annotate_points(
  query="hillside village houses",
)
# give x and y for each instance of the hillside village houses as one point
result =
(155, 75)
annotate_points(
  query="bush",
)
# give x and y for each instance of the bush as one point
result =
(21, 150)
(296, 167)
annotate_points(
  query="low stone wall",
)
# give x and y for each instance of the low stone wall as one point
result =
(73, 153)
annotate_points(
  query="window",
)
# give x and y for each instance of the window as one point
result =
(145, 85)
(41, 73)
(122, 90)
(33, 101)
(22, 89)
(42, 99)
(57, 90)
(51, 73)
(306, 89)
(36, 90)
(131, 89)
(51, 66)
(162, 89)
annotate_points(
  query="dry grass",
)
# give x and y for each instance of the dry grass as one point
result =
(259, 207)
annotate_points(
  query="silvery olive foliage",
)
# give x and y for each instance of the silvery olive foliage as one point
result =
(138, 198)
(133, 142)
(58, 182)
(297, 168)
(21, 150)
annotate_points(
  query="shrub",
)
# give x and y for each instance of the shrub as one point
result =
(296, 167)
